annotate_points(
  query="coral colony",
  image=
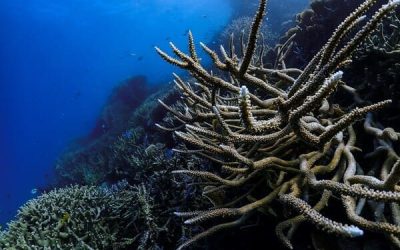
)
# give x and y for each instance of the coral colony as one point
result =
(74, 218)
(281, 139)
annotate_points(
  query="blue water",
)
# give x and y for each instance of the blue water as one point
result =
(60, 60)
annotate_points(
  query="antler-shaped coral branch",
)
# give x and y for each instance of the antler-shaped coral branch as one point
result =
(283, 139)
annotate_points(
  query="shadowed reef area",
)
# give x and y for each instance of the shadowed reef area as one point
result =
(292, 147)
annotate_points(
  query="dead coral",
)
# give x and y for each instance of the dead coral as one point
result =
(279, 135)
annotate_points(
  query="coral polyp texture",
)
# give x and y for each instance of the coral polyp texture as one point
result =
(75, 218)
(281, 138)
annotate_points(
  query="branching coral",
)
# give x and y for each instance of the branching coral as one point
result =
(148, 238)
(74, 218)
(240, 27)
(280, 136)
(377, 62)
(318, 21)
(149, 168)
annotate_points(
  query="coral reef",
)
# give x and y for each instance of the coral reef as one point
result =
(280, 13)
(240, 27)
(75, 218)
(134, 157)
(133, 153)
(124, 99)
(280, 136)
(119, 216)
(150, 168)
(127, 113)
(376, 68)
(270, 144)
(313, 28)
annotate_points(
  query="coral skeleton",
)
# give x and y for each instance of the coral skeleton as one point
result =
(280, 137)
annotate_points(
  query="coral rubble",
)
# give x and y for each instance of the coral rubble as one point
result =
(282, 138)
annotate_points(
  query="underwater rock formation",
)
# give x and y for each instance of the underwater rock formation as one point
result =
(75, 218)
(281, 138)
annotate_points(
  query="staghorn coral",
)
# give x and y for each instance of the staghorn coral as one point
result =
(76, 217)
(149, 168)
(374, 71)
(376, 67)
(314, 26)
(279, 135)
(240, 27)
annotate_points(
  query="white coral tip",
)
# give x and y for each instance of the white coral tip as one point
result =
(243, 91)
(354, 231)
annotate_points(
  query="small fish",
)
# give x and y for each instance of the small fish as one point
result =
(132, 54)
(34, 191)
(140, 58)
(65, 218)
